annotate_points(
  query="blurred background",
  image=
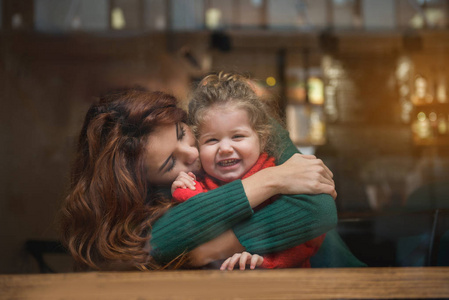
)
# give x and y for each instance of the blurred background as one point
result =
(362, 84)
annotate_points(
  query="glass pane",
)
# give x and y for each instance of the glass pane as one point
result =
(251, 13)
(287, 14)
(66, 15)
(220, 14)
(155, 14)
(317, 13)
(126, 14)
(379, 14)
(187, 14)
(343, 13)
(422, 14)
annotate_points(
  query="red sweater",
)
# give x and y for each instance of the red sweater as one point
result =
(296, 257)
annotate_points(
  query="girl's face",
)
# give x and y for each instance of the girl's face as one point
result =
(228, 145)
(170, 149)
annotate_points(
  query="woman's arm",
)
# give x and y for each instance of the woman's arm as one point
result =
(292, 219)
(208, 215)
(289, 221)
(194, 222)
(219, 248)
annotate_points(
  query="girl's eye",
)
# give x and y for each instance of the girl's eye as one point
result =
(238, 136)
(209, 141)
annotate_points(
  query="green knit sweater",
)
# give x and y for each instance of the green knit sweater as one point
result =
(291, 220)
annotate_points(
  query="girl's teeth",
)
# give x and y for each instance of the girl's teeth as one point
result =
(228, 162)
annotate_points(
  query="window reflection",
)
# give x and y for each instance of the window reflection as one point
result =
(372, 103)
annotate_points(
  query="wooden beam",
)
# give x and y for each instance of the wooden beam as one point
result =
(359, 283)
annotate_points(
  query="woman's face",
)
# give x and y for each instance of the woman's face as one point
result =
(170, 149)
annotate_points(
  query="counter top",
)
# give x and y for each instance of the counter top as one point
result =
(380, 283)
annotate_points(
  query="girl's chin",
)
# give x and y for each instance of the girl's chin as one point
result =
(229, 178)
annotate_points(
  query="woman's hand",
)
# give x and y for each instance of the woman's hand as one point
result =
(184, 180)
(305, 174)
(244, 258)
(300, 174)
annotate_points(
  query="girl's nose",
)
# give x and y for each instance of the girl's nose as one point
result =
(225, 148)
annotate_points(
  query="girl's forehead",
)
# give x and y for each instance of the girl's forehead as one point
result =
(225, 117)
(231, 112)
(227, 107)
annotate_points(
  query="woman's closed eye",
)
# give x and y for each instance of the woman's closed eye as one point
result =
(172, 165)
(180, 134)
(170, 162)
(168, 165)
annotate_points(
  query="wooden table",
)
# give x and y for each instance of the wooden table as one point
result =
(380, 283)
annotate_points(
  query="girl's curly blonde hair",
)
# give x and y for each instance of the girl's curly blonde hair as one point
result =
(232, 90)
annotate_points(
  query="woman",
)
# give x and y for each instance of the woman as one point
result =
(131, 147)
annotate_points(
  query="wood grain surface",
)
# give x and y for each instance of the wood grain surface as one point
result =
(360, 283)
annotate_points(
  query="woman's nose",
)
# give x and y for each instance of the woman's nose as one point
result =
(189, 153)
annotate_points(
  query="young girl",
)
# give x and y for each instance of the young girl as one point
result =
(235, 141)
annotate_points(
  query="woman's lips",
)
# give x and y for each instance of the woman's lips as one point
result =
(228, 162)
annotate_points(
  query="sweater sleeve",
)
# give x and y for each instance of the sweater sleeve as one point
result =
(194, 222)
(289, 221)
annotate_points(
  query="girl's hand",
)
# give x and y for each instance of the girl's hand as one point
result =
(184, 180)
(244, 258)
(305, 174)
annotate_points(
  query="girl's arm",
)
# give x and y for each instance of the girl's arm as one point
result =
(206, 216)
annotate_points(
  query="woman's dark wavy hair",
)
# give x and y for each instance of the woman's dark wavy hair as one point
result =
(111, 205)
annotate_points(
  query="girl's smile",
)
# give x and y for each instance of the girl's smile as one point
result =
(228, 145)
(228, 162)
